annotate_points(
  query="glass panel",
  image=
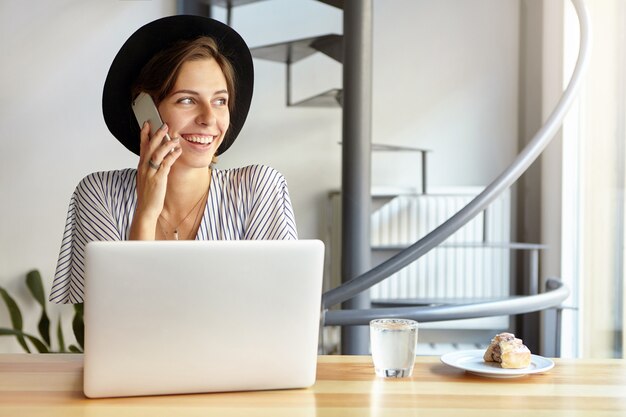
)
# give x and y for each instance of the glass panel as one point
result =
(593, 188)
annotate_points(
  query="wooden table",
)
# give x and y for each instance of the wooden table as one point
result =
(51, 385)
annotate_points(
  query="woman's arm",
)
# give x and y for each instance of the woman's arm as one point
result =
(97, 212)
(271, 215)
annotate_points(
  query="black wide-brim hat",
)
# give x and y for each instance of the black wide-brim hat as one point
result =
(155, 37)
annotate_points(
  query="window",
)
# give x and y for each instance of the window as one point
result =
(594, 143)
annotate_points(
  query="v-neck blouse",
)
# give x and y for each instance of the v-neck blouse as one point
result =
(249, 203)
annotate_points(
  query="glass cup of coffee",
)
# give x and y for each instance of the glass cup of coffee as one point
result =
(393, 343)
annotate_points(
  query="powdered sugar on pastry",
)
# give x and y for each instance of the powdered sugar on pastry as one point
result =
(509, 351)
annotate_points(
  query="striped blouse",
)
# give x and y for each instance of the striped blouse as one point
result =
(244, 203)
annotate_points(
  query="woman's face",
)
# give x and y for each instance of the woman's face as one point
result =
(197, 111)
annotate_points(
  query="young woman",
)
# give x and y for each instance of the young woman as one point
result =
(199, 73)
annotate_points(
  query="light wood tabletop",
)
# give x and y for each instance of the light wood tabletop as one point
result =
(51, 385)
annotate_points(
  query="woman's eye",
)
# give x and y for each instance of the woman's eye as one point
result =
(221, 101)
(186, 100)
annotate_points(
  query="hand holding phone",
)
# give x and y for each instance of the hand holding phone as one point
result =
(155, 161)
(145, 111)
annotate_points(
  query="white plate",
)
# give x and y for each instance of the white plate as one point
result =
(472, 362)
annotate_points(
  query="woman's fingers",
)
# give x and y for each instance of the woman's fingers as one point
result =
(167, 147)
(147, 142)
(162, 152)
(153, 149)
(169, 160)
(158, 138)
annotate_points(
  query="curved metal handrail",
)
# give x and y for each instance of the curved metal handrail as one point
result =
(556, 294)
(526, 157)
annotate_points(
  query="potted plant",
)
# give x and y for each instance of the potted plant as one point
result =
(42, 343)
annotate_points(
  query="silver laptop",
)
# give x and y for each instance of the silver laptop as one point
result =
(197, 316)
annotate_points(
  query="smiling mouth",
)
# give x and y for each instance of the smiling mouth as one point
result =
(200, 140)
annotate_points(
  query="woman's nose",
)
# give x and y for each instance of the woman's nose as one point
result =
(205, 115)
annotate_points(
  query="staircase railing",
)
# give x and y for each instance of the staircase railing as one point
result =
(557, 292)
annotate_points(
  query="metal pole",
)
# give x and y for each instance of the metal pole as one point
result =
(530, 328)
(229, 13)
(356, 161)
(193, 7)
(533, 285)
(288, 77)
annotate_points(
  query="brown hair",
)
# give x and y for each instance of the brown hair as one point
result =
(159, 75)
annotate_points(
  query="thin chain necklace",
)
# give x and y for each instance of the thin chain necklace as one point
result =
(175, 233)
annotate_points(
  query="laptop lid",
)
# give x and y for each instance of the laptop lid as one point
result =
(201, 316)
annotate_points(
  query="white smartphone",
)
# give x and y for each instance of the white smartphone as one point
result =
(145, 110)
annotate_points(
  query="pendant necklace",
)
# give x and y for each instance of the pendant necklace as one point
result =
(175, 233)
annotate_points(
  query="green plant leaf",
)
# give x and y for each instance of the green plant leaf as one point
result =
(60, 337)
(34, 284)
(44, 328)
(75, 349)
(41, 348)
(16, 317)
(33, 281)
(78, 325)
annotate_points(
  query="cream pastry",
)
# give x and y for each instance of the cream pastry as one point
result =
(509, 351)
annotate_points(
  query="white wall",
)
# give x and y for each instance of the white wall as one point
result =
(445, 78)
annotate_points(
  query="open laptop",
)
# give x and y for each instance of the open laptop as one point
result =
(201, 316)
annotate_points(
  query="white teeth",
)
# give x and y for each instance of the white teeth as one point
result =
(200, 139)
